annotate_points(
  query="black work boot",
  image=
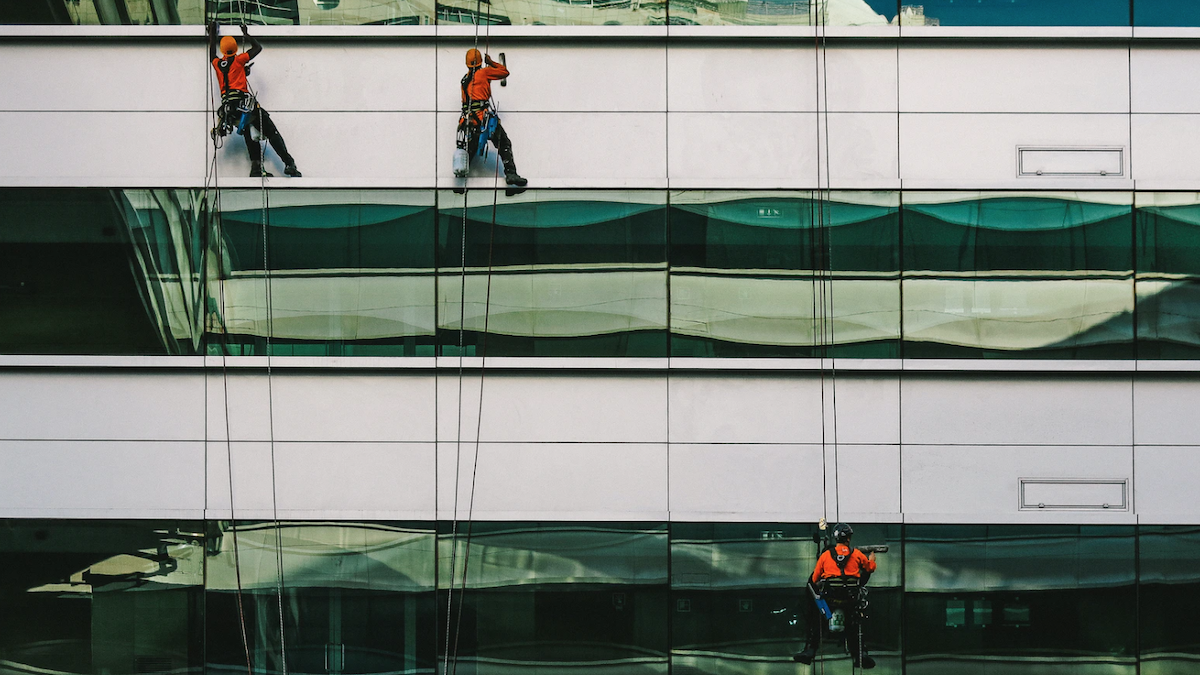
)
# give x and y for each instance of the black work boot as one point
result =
(866, 664)
(256, 171)
(806, 657)
(513, 178)
(290, 169)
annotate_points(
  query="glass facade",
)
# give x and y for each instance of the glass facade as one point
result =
(148, 596)
(601, 273)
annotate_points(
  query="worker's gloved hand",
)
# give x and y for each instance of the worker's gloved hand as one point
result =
(245, 30)
(488, 60)
(212, 29)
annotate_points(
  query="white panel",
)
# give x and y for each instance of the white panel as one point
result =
(862, 78)
(773, 483)
(868, 408)
(868, 481)
(1166, 411)
(570, 150)
(240, 403)
(359, 76)
(729, 78)
(1165, 484)
(574, 77)
(1014, 79)
(337, 480)
(555, 481)
(250, 465)
(103, 76)
(101, 479)
(103, 148)
(863, 151)
(1030, 411)
(763, 408)
(339, 406)
(371, 148)
(767, 150)
(129, 405)
(985, 480)
(1166, 151)
(1165, 78)
(981, 150)
(566, 407)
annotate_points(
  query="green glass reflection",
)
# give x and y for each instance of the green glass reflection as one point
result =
(102, 597)
(95, 271)
(1169, 590)
(1018, 275)
(357, 597)
(752, 276)
(1168, 275)
(555, 597)
(878, 13)
(351, 273)
(562, 273)
(1002, 598)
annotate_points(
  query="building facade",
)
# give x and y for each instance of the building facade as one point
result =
(930, 270)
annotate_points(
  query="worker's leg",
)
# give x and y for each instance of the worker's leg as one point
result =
(271, 132)
(814, 622)
(254, 149)
(504, 149)
(854, 644)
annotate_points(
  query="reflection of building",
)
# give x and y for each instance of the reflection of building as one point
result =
(273, 423)
(913, 15)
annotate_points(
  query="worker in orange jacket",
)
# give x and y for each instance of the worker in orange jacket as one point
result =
(478, 119)
(232, 69)
(845, 561)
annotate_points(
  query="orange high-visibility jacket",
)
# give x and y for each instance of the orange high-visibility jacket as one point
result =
(236, 66)
(827, 566)
(480, 86)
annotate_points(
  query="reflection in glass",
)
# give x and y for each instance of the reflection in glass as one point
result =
(358, 597)
(783, 12)
(351, 273)
(563, 273)
(1169, 593)
(109, 598)
(750, 275)
(1014, 13)
(94, 271)
(1168, 275)
(556, 597)
(992, 599)
(1028, 275)
(1166, 13)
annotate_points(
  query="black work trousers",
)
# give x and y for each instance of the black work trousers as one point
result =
(499, 139)
(262, 120)
(816, 623)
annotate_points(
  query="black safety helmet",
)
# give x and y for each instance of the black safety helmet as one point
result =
(842, 533)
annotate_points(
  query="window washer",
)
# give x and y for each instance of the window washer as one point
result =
(239, 108)
(837, 587)
(479, 123)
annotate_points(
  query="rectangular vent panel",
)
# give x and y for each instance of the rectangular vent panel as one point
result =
(1070, 162)
(1083, 494)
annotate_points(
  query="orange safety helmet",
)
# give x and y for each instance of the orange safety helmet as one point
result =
(228, 45)
(474, 58)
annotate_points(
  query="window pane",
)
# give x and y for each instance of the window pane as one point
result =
(358, 597)
(102, 597)
(571, 274)
(738, 598)
(750, 275)
(783, 13)
(1015, 13)
(557, 597)
(1166, 13)
(1018, 275)
(351, 273)
(1001, 598)
(1169, 592)
(93, 271)
(1168, 275)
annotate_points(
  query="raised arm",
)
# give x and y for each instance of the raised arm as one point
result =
(255, 47)
(494, 70)
(213, 52)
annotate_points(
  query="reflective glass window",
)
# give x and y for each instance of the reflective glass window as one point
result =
(1015, 13)
(101, 597)
(351, 273)
(561, 273)
(1168, 275)
(560, 597)
(1166, 13)
(752, 276)
(783, 12)
(1169, 591)
(357, 597)
(1025, 275)
(95, 271)
(997, 598)
(738, 597)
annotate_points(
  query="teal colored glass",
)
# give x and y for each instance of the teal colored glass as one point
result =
(751, 276)
(783, 13)
(1179, 13)
(555, 596)
(101, 597)
(1015, 13)
(198, 12)
(994, 275)
(583, 275)
(1168, 275)
(1169, 588)
(351, 273)
(98, 271)
(981, 598)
